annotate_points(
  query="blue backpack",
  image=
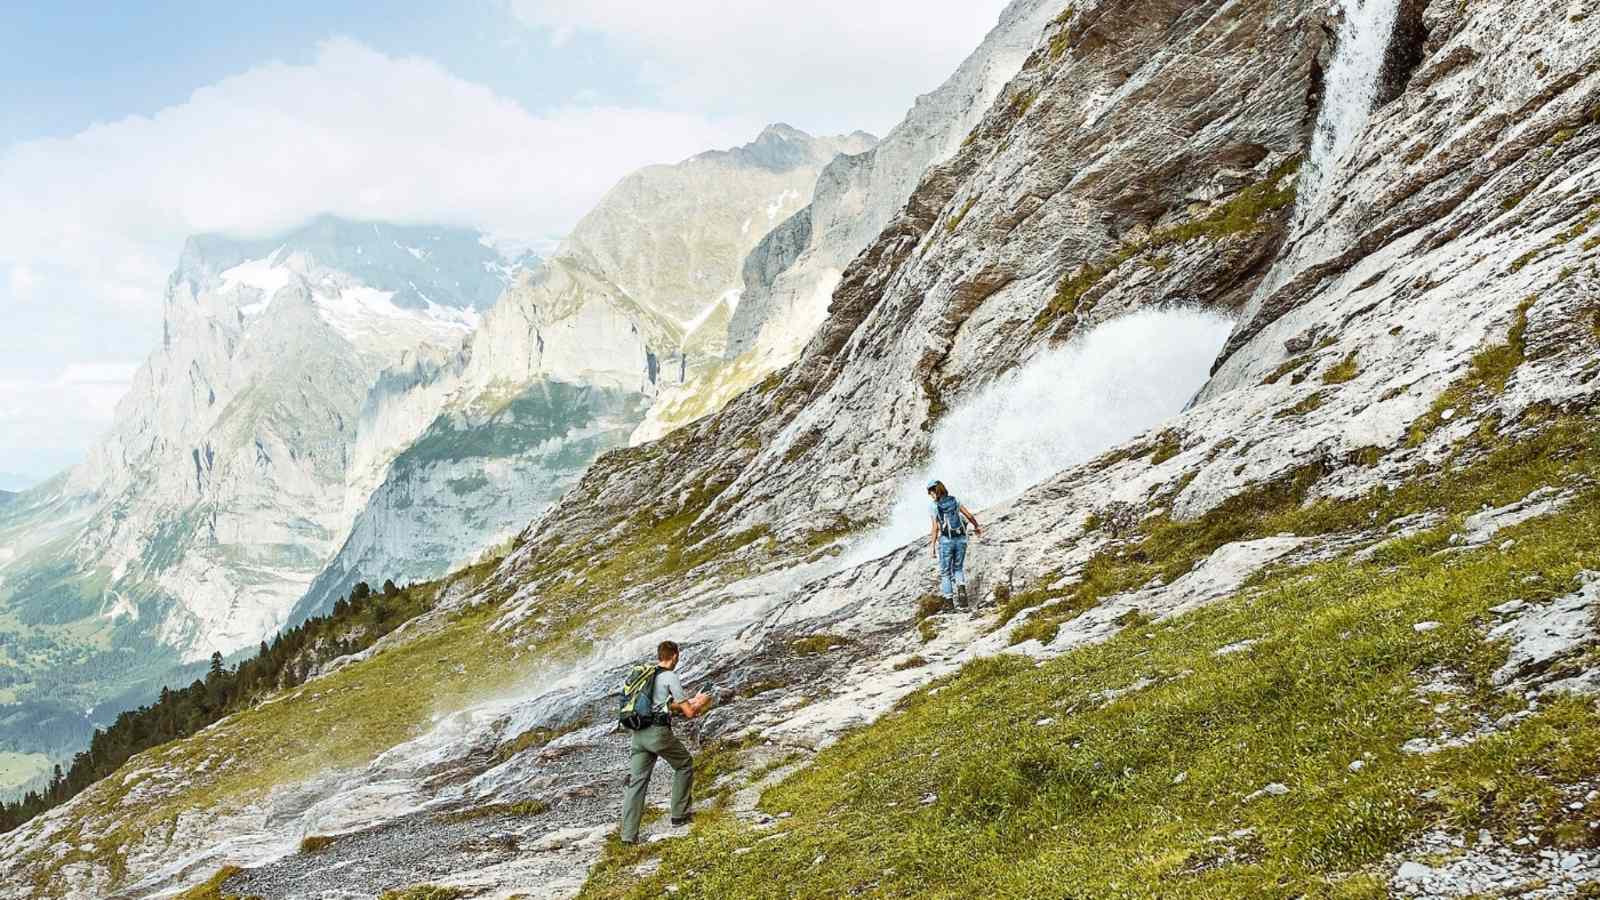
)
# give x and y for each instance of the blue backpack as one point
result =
(951, 523)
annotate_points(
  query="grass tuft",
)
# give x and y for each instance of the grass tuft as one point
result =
(424, 892)
(961, 215)
(1305, 407)
(212, 888)
(524, 809)
(1287, 368)
(1167, 446)
(817, 644)
(1345, 372)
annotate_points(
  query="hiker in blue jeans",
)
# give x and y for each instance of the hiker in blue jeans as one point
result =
(949, 538)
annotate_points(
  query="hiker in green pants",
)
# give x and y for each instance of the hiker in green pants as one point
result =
(655, 739)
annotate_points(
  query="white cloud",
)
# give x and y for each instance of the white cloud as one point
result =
(22, 281)
(354, 133)
(832, 64)
(91, 225)
(47, 422)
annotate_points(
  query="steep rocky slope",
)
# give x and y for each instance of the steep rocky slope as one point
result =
(1327, 632)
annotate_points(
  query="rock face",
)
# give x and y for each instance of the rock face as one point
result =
(1144, 155)
(857, 195)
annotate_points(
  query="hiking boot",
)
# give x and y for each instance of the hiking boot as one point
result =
(961, 597)
(680, 821)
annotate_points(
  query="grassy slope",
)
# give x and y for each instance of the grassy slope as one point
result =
(1122, 798)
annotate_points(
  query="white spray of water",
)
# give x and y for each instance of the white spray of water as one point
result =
(1349, 95)
(1063, 408)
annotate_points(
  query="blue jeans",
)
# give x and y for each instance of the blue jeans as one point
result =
(952, 564)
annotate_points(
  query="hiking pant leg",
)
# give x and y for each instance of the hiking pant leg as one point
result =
(946, 567)
(677, 756)
(641, 761)
(958, 561)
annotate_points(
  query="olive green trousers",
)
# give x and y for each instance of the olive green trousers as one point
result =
(646, 747)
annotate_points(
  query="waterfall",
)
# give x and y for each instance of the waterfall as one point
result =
(1064, 407)
(1350, 90)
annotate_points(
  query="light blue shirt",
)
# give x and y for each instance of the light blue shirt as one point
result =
(669, 689)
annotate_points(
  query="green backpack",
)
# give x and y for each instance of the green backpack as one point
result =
(638, 698)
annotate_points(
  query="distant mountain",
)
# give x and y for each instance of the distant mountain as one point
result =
(573, 359)
(221, 490)
(16, 483)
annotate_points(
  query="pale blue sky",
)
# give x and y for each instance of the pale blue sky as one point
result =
(70, 65)
(126, 127)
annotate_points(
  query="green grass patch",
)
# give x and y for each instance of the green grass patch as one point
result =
(1165, 549)
(961, 214)
(1061, 40)
(965, 794)
(211, 889)
(1021, 103)
(1167, 446)
(524, 809)
(1305, 407)
(1345, 371)
(817, 644)
(424, 892)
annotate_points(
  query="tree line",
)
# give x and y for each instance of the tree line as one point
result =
(355, 623)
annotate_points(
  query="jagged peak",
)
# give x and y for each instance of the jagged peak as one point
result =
(781, 147)
(417, 263)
